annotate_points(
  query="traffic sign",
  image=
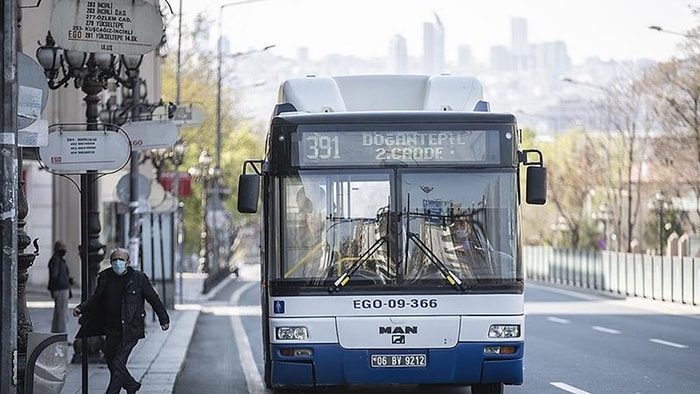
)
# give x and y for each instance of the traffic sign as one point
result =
(184, 116)
(33, 91)
(125, 27)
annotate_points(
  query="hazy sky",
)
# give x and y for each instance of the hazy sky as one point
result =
(609, 29)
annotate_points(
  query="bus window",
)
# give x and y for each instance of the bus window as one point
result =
(330, 221)
(466, 220)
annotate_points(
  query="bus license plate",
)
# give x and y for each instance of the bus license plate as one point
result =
(398, 360)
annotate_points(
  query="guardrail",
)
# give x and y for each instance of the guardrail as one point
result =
(665, 278)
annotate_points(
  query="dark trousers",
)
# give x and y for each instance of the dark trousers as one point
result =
(116, 353)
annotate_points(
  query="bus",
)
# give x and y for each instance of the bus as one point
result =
(390, 243)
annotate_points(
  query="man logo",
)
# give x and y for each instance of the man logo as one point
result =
(399, 330)
(398, 339)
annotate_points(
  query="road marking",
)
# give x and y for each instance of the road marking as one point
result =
(667, 343)
(557, 320)
(605, 330)
(245, 355)
(569, 388)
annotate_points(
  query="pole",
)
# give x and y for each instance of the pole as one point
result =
(8, 197)
(134, 232)
(91, 250)
(176, 223)
(84, 277)
(178, 66)
(219, 55)
(661, 229)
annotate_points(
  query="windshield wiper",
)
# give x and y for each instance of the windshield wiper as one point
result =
(345, 276)
(450, 276)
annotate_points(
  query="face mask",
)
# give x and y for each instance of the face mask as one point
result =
(119, 266)
(61, 252)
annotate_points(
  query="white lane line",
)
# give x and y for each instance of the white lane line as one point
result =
(245, 355)
(557, 320)
(569, 388)
(605, 330)
(667, 343)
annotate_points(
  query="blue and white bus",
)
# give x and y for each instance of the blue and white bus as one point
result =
(391, 234)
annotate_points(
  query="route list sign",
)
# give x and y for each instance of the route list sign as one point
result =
(75, 152)
(126, 27)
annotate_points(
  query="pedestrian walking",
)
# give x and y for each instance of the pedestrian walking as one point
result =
(116, 310)
(59, 286)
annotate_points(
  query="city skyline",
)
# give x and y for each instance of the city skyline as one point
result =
(605, 29)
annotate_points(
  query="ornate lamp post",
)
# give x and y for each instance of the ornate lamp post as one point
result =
(175, 155)
(204, 173)
(178, 153)
(90, 73)
(661, 205)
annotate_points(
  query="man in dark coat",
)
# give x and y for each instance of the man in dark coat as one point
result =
(59, 286)
(116, 310)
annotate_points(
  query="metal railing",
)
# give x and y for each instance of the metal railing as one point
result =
(665, 278)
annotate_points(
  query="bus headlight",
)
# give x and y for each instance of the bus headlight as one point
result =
(292, 333)
(504, 331)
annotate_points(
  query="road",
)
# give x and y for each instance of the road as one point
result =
(576, 342)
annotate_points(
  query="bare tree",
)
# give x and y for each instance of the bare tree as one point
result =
(629, 118)
(675, 86)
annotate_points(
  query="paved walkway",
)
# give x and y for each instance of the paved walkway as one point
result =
(155, 361)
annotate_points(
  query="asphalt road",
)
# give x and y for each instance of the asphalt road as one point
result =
(576, 342)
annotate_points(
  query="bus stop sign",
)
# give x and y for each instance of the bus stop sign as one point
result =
(125, 27)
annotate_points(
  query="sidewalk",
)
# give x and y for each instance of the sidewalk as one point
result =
(155, 361)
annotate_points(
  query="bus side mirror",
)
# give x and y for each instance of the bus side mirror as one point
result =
(248, 193)
(536, 186)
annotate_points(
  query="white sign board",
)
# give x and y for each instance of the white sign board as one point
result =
(125, 27)
(184, 116)
(151, 134)
(76, 152)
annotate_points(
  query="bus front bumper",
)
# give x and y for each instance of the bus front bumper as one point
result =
(331, 365)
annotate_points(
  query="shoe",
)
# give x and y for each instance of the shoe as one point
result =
(134, 388)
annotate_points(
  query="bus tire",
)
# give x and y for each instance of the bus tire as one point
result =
(487, 388)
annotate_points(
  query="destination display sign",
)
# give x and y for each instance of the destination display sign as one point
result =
(405, 147)
(126, 27)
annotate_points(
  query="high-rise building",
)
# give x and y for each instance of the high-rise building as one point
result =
(398, 55)
(465, 60)
(433, 47)
(519, 46)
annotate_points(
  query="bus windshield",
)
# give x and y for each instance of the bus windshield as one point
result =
(398, 227)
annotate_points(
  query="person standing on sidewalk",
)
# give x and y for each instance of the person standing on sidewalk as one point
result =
(59, 286)
(116, 310)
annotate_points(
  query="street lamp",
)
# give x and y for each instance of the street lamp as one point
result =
(90, 73)
(219, 57)
(206, 174)
(661, 205)
(603, 215)
(178, 153)
(158, 158)
(675, 33)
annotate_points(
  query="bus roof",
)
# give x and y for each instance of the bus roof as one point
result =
(383, 93)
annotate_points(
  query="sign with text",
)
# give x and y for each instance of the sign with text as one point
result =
(184, 116)
(151, 134)
(76, 152)
(125, 27)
